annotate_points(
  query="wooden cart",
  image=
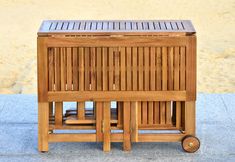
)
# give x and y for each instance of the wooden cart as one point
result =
(147, 67)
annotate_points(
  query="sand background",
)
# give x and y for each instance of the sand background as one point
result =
(214, 21)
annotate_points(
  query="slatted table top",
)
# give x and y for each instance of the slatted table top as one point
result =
(120, 27)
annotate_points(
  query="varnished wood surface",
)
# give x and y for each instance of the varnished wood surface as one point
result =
(113, 27)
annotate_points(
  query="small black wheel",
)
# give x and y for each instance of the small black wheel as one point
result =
(190, 144)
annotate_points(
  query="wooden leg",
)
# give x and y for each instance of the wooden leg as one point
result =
(106, 126)
(120, 113)
(190, 118)
(134, 121)
(50, 109)
(58, 113)
(43, 125)
(81, 110)
(99, 117)
(126, 127)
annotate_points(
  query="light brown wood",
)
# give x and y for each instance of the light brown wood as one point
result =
(190, 113)
(58, 113)
(105, 68)
(43, 125)
(51, 69)
(63, 73)
(87, 68)
(116, 69)
(118, 96)
(126, 129)
(190, 144)
(93, 68)
(42, 70)
(75, 60)
(160, 137)
(140, 27)
(191, 68)
(99, 117)
(106, 127)
(147, 67)
(72, 137)
(134, 121)
(81, 110)
(69, 68)
(99, 68)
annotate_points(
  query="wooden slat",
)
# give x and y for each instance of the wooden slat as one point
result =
(69, 69)
(51, 66)
(43, 125)
(111, 68)
(182, 68)
(144, 112)
(75, 68)
(170, 79)
(93, 68)
(139, 113)
(87, 68)
(159, 69)
(126, 129)
(81, 69)
(158, 83)
(99, 68)
(106, 126)
(118, 96)
(105, 68)
(123, 68)
(69, 137)
(177, 85)
(164, 85)
(71, 25)
(146, 68)
(156, 113)
(126, 41)
(58, 113)
(140, 27)
(81, 105)
(59, 73)
(116, 137)
(116, 69)
(160, 137)
(134, 121)
(63, 69)
(128, 69)
(134, 65)
(152, 68)
(150, 112)
(74, 121)
(140, 72)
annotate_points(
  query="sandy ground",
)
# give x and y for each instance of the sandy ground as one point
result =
(214, 21)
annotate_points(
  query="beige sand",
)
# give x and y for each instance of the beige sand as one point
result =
(214, 21)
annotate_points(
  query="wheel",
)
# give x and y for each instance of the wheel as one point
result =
(190, 144)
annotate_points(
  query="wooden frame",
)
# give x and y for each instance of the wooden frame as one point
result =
(148, 67)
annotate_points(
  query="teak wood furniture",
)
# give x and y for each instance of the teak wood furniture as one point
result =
(147, 67)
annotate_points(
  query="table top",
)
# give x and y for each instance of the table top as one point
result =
(116, 27)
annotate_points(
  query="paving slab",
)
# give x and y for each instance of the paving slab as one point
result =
(215, 129)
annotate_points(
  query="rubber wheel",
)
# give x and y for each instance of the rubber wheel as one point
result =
(190, 144)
